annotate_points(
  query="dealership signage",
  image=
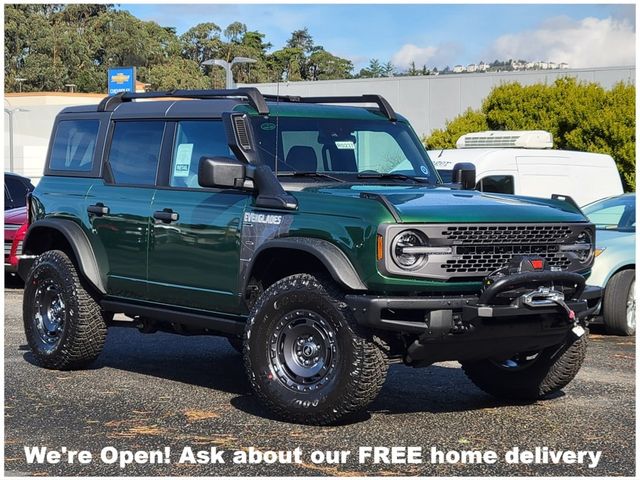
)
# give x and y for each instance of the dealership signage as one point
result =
(121, 79)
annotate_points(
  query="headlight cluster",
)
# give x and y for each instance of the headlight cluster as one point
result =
(403, 249)
(410, 250)
(583, 248)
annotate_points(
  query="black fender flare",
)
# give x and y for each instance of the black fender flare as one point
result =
(80, 244)
(334, 259)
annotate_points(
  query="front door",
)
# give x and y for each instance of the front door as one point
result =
(194, 250)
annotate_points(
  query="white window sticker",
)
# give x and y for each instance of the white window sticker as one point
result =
(345, 145)
(183, 160)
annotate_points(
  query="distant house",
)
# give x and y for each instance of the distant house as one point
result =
(458, 69)
(563, 65)
(483, 67)
(553, 65)
(472, 68)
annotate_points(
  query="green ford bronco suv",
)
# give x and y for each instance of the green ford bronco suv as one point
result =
(319, 239)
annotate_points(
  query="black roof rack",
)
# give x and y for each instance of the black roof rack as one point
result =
(384, 106)
(252, 94)
(256, 99)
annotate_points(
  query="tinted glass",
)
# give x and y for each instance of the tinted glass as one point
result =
(496, 184)
(618, 213)
(18, 191)
(134, 153)
(195, 139)
(74, 145)
(341, 146)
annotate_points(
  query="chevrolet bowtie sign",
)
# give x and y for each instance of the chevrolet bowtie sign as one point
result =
(121, 79)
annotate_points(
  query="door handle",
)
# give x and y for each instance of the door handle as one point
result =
(98, 209)
(166, 216)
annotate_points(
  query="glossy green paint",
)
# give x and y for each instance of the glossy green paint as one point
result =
(122, 234)
(197, 261)
(194, 262)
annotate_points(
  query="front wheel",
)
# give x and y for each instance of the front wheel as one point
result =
(306, 358)
(530, 375)
(64, 325)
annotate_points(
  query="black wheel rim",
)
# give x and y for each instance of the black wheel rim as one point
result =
(50, 314)
(518, 362)
(303, 351)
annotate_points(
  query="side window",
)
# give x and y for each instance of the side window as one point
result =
(496, 184)
(74, 145)
(134, 152)
(195, 139)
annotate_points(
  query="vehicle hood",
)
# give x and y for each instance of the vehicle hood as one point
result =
(614, 239)
(16, 216)
(422, 203)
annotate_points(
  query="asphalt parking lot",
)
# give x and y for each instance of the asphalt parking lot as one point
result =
(148, 392)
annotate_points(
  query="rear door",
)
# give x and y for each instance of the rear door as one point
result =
(120, 207)
(194, 251)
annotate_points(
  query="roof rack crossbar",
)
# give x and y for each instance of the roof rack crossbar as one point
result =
(382, 103)
(252, 94)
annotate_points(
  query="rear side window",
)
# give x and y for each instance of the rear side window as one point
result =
(74, 145)
(134, 152)
(195, 139)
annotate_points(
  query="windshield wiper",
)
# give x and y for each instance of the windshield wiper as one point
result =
(309, 174)
(397, 176)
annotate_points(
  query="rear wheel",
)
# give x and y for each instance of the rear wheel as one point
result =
(306, 358)
(63, 324)
(530, 375)
(619, 303)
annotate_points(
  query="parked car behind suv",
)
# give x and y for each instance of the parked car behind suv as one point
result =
(318, 238)
(614, 268)
(16, 188)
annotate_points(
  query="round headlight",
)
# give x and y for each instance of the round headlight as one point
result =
(401, 249)
(584, 240)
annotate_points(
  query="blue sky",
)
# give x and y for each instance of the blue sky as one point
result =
(587, 35)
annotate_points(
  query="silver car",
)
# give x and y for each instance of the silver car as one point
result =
(615, 264)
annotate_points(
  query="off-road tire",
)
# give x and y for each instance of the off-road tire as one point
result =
(83, 331)
(360, 359)
(614, 304)
(552, 370)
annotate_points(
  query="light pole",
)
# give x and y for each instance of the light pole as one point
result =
(20, 80)
(227, 67)
(11, 112)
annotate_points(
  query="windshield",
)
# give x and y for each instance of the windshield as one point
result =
(618, 213)
(341, 146)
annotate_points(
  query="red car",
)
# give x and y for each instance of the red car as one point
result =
(16, 188)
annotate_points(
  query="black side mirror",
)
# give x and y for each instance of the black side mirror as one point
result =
(465, 175)
(221, 172)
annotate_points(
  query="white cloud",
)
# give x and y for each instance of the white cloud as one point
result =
(412, 53)
(430, 56)
(590, 42)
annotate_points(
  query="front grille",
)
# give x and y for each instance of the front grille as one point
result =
(487, 259)
(7, 248)
(477, 250)
(506, 234)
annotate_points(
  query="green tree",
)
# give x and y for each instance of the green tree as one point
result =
(178, 73)
(581, 116)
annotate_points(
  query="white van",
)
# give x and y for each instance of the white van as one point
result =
(522, 163)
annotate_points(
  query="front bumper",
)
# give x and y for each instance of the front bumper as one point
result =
(461, 328)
